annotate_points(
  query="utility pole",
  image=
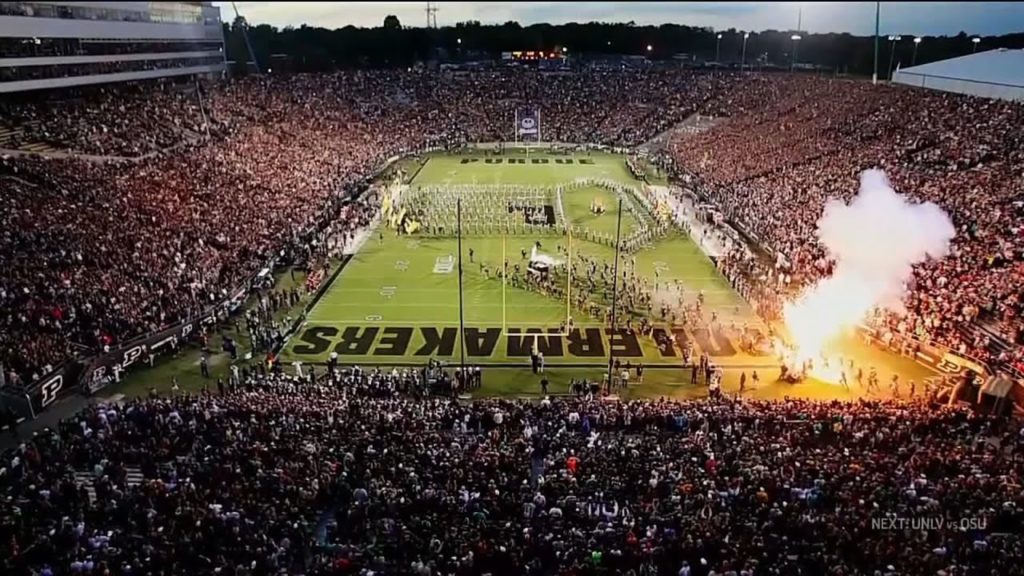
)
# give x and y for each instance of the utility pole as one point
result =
(798, 36)
(462, 318)
(743, 55)
(245, 34)
(892, 53)
(431, 15)
(878, 12)
(615, 298)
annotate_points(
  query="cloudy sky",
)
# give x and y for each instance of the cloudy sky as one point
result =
(919, 18)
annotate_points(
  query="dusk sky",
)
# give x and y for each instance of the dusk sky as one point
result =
(918, 18)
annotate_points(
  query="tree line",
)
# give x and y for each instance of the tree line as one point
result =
(313, 49)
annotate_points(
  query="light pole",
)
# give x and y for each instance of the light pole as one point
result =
(878, 12)
(917, 42)
(796, 47)
(975, 41)
(649, 49)
(892, 52)
(743, 54)
(718, 43)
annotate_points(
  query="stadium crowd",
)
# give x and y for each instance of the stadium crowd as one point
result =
(344, 474)
(363, 472)
(792, 142)
(99, 252)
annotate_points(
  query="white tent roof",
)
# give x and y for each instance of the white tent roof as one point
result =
(996, 73)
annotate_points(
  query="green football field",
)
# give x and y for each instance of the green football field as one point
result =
(397, 301)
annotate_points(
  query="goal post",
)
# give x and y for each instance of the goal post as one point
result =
(504, 279)
(568, 276)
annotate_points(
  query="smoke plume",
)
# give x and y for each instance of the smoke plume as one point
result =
(880, 235)
(874, 240)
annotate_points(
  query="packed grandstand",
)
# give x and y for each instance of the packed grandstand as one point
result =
(358, 472)
(266, 158)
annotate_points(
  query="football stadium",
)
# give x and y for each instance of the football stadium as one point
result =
(322, 289)
(397, 301)
(535, 216)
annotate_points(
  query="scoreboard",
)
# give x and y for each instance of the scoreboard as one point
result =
(532, 55)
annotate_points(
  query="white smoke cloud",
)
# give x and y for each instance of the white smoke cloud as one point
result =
(879, 236)
(875, 241)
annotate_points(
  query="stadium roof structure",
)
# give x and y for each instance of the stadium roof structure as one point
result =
(991, 74)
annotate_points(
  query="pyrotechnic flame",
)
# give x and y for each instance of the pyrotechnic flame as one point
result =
(821, 314)
(874, 240)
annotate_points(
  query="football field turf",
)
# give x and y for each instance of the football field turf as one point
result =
(396, 302)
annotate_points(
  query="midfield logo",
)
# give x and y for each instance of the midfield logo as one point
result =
(483, 342)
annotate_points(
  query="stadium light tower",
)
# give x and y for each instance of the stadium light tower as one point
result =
(975, 41)
(649, 48)
(892, 51)
(917, 42)
(878, 13)
(743, 53)
(432, 14)
(796, 47)
(718, 44)
(244, 25)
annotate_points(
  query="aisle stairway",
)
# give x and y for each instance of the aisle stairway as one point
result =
(14, 138)
(7, 135)
(133, 478)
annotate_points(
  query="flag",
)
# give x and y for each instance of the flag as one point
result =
(528, 125)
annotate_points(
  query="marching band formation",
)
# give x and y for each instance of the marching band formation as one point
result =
(486, 209)
(584, 280)
(516, 209)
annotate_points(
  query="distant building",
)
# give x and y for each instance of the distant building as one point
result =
(991, 74)
(60, 44)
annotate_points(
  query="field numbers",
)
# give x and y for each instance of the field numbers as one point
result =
(412, 244)
(388, 291)
(374, 318)
(402, 265)
(444, 264)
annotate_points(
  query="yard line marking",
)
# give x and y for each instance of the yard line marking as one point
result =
(473, 324)
(554, 306)
(470, 275)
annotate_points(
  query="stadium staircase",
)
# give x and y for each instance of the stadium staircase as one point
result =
(997, 342)
(8, 135)
(133, 478)
(13, 138)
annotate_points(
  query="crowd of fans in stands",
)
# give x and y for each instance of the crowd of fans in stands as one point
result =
(362, 472)
(99, 252)
(793, 142)
(341, 473)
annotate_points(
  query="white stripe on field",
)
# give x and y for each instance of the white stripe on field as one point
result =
(470, 324)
